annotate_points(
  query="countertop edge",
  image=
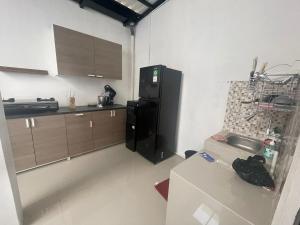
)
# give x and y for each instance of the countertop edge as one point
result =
(66, 110)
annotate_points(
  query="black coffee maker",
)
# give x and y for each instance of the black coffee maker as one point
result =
(109, 94)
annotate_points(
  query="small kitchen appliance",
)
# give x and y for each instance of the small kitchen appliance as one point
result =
(13, 107)
(108, 97)
(110, 93)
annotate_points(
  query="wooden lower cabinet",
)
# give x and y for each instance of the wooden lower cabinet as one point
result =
(21, 143)
(79, 133)
(49, 138)
(109, 127)
(118, 130)
(45, 139)
(102, 128)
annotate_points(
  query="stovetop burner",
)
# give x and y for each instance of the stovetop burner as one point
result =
(45, 99)
(9, 100)
(39, 105)
(12, 100)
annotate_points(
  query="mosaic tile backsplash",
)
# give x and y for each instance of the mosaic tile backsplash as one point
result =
(237, 112)
(235, 121)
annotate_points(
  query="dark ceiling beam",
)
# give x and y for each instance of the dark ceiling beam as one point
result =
(148, 11)
(113, 9)
(118, 11)
(103, 10)
(155, 5)
(144, 2)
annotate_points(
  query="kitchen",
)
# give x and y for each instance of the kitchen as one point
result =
(208, 60)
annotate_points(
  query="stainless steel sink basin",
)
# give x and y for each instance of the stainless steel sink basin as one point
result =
(245, 143)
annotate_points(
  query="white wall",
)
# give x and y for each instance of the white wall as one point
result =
(26, 40)
(289, 203)
(11, 209)
(212, 42)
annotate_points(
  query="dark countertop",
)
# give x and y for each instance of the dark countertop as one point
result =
(66, 110)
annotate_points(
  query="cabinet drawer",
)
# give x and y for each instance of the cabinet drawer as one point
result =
(79, 133)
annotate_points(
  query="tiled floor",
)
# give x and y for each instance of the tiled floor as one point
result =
(109, 187)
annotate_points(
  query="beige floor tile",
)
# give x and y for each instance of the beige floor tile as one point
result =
(109, 187)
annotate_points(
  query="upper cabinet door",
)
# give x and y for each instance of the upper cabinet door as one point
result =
(74, 52)
(108, 59)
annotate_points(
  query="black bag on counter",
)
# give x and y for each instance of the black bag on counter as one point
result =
(253, 171)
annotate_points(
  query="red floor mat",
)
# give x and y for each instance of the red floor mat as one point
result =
(163, 188)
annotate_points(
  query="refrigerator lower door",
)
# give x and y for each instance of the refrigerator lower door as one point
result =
(147, 116)
(131, 125)
(130, 136)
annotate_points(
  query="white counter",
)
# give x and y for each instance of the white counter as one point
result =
(222, 187)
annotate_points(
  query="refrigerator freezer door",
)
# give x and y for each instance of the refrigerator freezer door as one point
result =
(150, 78)
(147, 115)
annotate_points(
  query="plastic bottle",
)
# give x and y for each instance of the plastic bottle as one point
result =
(271, 156)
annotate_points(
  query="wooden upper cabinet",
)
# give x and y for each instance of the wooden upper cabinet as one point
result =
(108, 59)
(21, 143)
(80, 54)
(74, 52)
(49, 138)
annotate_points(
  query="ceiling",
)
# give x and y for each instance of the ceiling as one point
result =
(128, 12)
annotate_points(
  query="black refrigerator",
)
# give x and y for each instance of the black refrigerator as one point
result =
(157, 112)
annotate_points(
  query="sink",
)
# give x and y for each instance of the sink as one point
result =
(249, 144)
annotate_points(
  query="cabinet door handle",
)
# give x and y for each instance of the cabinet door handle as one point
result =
(114, 113)
(79, 114)
(91, 75)
(111, 113)
(32, 122)
(91, 124)
(27, 123)
(99, 76)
